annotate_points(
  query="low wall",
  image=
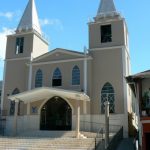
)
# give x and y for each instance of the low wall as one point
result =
(94, 121)
(24, 123)
(88, 122)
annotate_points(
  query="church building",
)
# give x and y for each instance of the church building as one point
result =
(63, 89)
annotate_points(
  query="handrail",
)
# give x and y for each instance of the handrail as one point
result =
(97, 136)
(99, 130)
(116, 140)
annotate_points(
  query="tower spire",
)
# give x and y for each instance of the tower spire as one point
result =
(106, 7)
(29, 20)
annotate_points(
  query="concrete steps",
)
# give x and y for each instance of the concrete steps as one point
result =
(26, 143)
(49, 140)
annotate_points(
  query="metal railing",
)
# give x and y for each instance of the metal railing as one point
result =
(97, 131)
(116, 140)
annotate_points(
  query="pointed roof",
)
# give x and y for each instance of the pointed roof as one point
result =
(106, 7)
(30, 19)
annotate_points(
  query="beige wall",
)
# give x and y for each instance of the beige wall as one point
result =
(40, 46)
(32, 43)
(118, 37)
(11, 46)
(107, 67)
(57, 56)
(16, 77)
(66, 71)
(17, 72)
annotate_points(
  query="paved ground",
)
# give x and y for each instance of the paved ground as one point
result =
(126, 144)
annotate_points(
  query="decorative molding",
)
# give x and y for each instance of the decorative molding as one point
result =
(59, 50)
(28, 32)
(106, 21)
(106, 48)
(23, 58)
(60, 61)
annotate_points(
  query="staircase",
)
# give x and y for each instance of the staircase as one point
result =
(48, 140)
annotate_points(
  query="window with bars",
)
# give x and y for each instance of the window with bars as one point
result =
(19, 45)
(108, 94)
(75, 75)
(38, 78)
(57, 78)
(106, 34)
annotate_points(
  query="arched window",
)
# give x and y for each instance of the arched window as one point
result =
(108, 94)
(38, 78)
(57, 78)
(12, 103)
(75, 75)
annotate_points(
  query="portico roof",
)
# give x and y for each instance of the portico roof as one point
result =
(46, 93)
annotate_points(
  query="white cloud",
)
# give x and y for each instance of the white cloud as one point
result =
(44, 22)
(5, 31)
(53, 22)
(8, 15)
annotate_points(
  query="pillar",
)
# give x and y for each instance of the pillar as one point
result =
(85, 80)
(28, 108)
(15, 118)
(78, 120)
(28, 116)
(30, 74)
(106, 124)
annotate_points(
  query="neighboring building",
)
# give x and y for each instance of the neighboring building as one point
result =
(54, 85)
(140, 85)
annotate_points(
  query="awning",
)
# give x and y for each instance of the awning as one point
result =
(46, 92)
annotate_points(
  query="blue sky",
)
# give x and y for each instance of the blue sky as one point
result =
(64, 23)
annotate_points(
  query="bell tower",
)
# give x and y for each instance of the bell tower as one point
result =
(25, 44)
(108, 28)
(108, 46)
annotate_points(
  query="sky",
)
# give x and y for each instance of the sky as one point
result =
(64, 23)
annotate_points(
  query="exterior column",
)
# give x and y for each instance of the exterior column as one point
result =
(85, 80)
(30, 75)
(28, 115)
(78, 120)
(28, 108)
(15, 118)
(106, 124)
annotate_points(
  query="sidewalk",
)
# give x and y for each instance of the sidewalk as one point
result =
(126, 144)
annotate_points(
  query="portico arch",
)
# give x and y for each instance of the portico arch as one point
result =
(56, 114)
(44, 102)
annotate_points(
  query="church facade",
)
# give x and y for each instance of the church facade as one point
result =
(60, 89)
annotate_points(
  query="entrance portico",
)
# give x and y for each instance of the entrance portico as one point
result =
(44, 95)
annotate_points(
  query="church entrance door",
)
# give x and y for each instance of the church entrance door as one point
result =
(56, 114)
